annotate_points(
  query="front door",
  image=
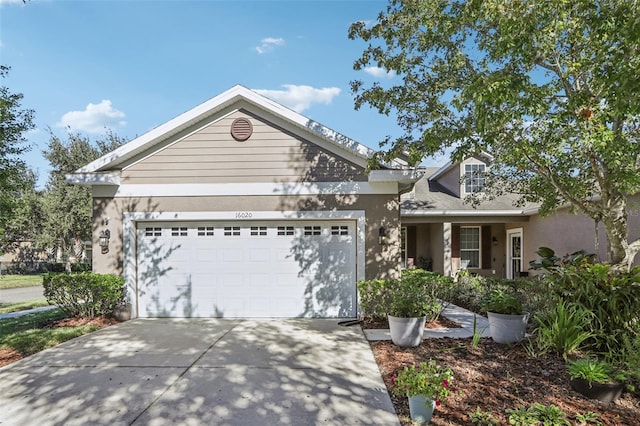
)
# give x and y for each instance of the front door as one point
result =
(514, 253)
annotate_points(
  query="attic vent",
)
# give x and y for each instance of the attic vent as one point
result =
(241, 129)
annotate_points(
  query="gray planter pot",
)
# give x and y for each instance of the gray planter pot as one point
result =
(421, 408)
(406, 332)
(122, 312)
(507, 329)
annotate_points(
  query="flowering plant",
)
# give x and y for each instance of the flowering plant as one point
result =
(428, 379)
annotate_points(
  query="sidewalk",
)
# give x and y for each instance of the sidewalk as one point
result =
(451, 312)
(27, 312)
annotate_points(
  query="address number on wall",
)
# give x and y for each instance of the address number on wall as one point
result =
(243, 215)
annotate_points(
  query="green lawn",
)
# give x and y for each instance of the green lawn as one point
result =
(11, 281)
(22, 306)
(28, 334)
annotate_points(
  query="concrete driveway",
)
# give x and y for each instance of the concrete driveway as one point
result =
(201, 372)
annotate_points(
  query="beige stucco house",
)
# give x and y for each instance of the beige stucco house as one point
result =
(442, 232)
(241, 207)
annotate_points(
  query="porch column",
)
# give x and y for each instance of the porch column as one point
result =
(446, 248)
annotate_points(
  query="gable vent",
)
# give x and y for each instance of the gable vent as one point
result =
(241, 129)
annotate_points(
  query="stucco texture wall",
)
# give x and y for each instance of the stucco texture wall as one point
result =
(566, 233)
(381, 210)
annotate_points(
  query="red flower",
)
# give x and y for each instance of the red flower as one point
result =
(437, 403)
(445, 383)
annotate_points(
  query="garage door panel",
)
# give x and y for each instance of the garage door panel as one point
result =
(235, 270)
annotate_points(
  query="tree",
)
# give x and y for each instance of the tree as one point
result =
(551, 89)
(14, 174)
(67, 208)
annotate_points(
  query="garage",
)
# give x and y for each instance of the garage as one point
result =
(251, 269)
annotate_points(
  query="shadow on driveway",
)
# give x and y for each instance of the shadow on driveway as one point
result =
(201, 372)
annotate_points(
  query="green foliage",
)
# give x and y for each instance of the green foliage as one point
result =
(549, 262)
(613, 297)
(564, 328)
(502, 303)
(414, 295)
(590, 369)
(15, 176)
(84, 294)
(538, 414)
(67, 209)
(629, 359)
(481, 418)
(550, 92)
(428, 379)
(588, 417)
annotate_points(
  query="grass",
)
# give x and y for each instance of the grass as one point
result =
(7, 308)
(13, 281)
(28, 334)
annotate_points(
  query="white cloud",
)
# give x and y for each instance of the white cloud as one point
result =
(379, 72)
(299, 98)
(268, 44)
(94, 118)
(3, 2)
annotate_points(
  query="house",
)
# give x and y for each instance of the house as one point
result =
(443, 233)
(241, 207)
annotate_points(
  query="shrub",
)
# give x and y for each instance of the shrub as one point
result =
(415, 294)
(563, 328)
(592, 370)
(84, 294)
(80, 267)
(613, 297)
(502, 303)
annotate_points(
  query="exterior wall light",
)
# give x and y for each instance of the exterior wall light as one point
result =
(103, 241)
(494, 240)
(382, 236)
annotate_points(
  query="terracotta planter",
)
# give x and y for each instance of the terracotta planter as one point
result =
(507, 329)
(406, 332)
(421, 408)
(605, 392)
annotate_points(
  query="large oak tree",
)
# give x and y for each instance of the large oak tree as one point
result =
(550, 88)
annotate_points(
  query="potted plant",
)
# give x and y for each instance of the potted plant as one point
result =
(426, 385)
(595, 379)
(408, 304)
(507, 318)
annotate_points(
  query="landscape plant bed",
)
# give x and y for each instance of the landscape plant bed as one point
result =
(495, 378)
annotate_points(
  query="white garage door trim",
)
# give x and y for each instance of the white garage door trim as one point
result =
(130, 220)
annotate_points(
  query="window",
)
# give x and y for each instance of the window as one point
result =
(473, 177)
(403, 246)
(205, 231)
(152, 232)
(312, 230)
(179, 231)
(258, 230)
(232, 231)
(285, 230)
(340, 230)
(470, 247)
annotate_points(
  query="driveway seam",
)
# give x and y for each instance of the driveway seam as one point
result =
(182, 374)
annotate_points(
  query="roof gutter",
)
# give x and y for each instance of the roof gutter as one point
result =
(91, 179)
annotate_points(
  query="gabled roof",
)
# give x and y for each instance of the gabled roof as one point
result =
(210, 108)
(450, 165)
(430, 198)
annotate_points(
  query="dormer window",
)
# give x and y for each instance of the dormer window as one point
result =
(473, 177)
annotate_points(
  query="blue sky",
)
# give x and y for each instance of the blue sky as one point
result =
(132, 65)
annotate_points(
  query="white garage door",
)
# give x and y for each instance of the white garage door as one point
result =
(246, 269)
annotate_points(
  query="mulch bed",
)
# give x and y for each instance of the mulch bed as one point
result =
(495, 378)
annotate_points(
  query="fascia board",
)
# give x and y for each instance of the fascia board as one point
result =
(401, 176)
(411, 212)
(91, 179)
